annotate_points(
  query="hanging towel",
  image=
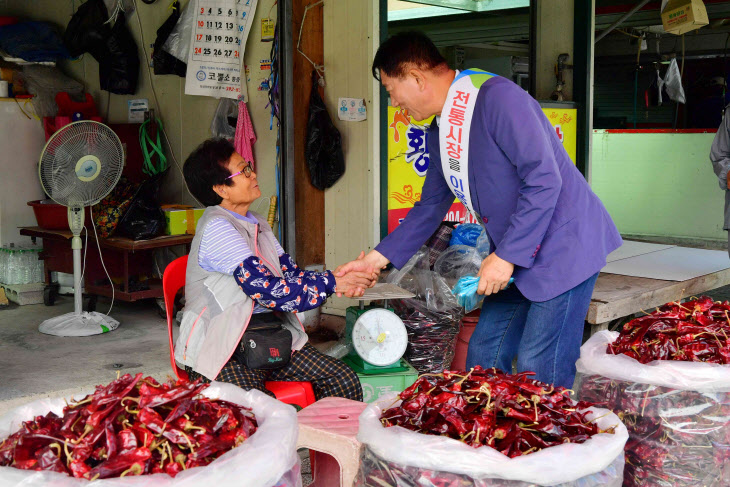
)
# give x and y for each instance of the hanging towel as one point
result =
(245, 136)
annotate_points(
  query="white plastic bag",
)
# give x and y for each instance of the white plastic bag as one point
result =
(688, 376)
(677, 414)
(569, 464)
(178, 42)
(673, 83)
(267, 459)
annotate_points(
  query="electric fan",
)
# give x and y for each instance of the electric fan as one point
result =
(80, 164)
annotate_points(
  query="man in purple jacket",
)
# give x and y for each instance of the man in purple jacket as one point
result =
(506, 164)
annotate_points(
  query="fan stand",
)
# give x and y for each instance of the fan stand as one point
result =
(78, 323)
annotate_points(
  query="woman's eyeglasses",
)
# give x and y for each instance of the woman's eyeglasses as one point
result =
(246, 171)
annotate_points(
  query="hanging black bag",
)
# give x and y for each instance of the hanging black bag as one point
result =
(162, 61)
(323, 150)
(119, 68)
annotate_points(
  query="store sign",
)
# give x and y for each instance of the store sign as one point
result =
(408, 160)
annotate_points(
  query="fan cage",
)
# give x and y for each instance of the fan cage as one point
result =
(63, 151)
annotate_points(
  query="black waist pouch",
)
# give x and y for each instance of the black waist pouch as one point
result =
(266, 344)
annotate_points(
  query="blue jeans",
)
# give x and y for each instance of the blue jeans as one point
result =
(545, 336)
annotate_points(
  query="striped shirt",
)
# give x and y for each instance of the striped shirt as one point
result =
(223, 249)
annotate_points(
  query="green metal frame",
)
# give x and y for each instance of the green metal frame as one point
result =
(383, 14)
(582, 90)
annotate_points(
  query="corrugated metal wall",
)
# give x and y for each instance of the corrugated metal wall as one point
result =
(613, 99)
(351, 37)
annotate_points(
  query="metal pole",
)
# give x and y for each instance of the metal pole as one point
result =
(621, 20)
(286, 56)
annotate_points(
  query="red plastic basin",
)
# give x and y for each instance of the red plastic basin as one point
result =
(52, 216)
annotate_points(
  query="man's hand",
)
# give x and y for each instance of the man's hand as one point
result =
(368, 264)
(353, 282)
(494, 274)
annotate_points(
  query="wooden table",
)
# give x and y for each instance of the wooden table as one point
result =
(123, 258)
(615, 296)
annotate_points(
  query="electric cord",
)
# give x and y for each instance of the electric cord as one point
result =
(101, 258)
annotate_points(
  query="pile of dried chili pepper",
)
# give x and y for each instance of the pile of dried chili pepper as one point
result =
(132, 426)
(694, 331)
(677, 438)
(513, 414)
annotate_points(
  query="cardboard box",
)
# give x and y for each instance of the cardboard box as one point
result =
(180, 219)
(680, 16)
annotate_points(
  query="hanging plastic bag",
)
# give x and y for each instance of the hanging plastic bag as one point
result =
(144, 219)
(178, 42)
(323, 149)
(162, 61)
(225, 119)
(673, 83)
(267, 459)
(87, 31)
(410, 458)
(677, 414)
(119, 68)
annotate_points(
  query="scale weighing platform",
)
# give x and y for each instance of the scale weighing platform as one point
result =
(378, 336)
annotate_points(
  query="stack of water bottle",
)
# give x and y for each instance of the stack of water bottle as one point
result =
(20, 265)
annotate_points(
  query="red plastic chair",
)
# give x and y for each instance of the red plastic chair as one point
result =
(297, 393)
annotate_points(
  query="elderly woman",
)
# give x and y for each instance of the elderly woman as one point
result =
(243, 291)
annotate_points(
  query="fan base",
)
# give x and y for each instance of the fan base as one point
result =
(79, 325)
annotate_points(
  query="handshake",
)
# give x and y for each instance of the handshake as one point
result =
(354, 277)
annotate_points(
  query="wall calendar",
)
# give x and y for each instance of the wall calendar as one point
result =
(216, 52)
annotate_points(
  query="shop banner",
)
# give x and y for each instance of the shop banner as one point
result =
(408, 160)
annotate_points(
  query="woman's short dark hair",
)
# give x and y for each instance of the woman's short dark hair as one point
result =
(404, 51)
(206, 167)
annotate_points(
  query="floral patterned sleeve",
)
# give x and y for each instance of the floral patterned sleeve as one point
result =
(297, 291)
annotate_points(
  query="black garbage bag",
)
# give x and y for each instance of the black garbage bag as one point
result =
(112, 46)
(144, 219)
(162, 61)
(119, 69)
(323, 150)
(86, 31)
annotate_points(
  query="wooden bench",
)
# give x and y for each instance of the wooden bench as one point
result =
(616, 297)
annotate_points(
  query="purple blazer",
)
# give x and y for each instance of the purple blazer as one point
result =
(539, 211)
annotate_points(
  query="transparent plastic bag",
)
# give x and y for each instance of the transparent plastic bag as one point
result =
(267, 459)
(44, 83)
(431, 317)
(221, 125)
(456, 262)
(178, 42)
(677, 414)
(398, 457)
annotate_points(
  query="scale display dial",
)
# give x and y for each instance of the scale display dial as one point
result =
(379, 337)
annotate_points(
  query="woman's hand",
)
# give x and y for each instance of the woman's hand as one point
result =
(353, 281)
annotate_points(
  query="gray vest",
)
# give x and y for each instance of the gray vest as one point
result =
(217, 311)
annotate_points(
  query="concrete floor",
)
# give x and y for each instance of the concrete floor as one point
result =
(34, 365)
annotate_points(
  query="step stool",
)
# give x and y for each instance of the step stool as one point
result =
(329, 428)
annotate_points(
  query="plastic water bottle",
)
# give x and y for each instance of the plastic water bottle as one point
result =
(11, 265)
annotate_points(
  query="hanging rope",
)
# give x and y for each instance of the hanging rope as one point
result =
(319, 68)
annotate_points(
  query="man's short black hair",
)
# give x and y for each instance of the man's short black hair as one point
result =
(406, 50)
(206, 167)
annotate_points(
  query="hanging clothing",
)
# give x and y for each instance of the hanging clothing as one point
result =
(245, 136)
